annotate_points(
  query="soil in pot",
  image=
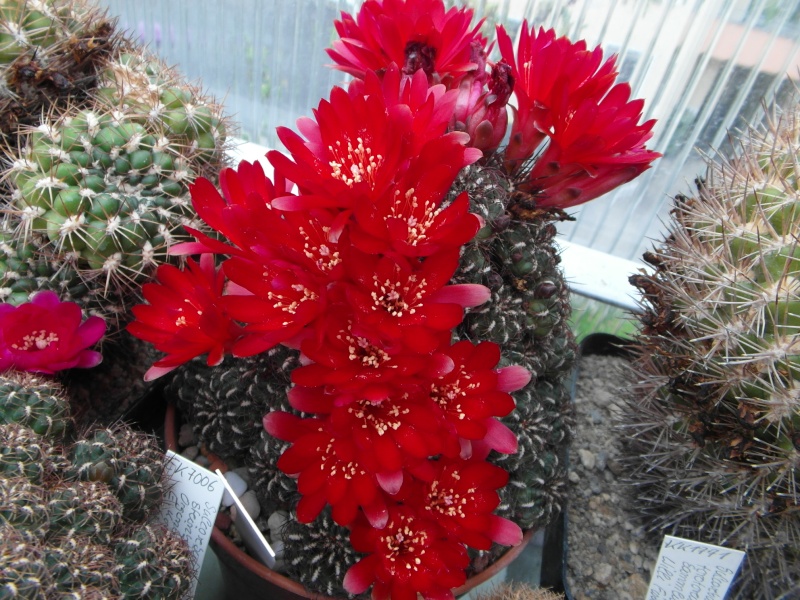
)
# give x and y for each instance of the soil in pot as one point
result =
(608, 554)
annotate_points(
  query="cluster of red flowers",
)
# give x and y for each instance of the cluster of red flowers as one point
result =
(347, 254)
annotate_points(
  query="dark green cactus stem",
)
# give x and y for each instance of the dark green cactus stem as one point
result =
(83, 508)
(24, 453)
(153, 562)
(23, 507)
(319, 554)
(130, 462)
(24, 573)
(226, 403)
(515, 257)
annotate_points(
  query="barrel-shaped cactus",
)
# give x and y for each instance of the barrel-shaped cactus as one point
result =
(715, 420)
(100, 188)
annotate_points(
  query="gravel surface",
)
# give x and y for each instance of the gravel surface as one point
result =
(609, 555)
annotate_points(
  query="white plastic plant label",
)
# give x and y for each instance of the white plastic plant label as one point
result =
(252, 537)
(689, 570)
(191, 504)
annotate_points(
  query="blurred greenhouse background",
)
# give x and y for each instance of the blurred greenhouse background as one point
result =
(704, 68)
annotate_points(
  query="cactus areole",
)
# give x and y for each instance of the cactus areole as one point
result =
(408, 258)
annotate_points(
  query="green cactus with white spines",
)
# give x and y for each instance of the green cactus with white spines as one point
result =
(35, 402)
(75, 503)
(152, 562)
(102, 191)
(129, 462)
(51, 52)
(226, 403)
(715, 417)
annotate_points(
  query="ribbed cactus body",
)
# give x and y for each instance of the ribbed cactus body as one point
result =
(70, 501)
(318, 554)
(101, 188)
(226, 403)
(152, 562)
(716, 417)
(129, 462)
(515, 257)
(34, 402)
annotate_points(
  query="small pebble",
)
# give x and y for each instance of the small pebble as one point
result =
(602, 573)
(574, 477)
(250, 503)
(633, 547)
(277, 547)
(244, 473)
(588, 459)
(596, 417)
(277, 519)
(602, 460)
(186, 436)
(202, 461)
(237, 485)
(190, 452)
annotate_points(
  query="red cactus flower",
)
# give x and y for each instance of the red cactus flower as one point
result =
(242, 214)
(594, 149)
(185, 317)
(347, 362)
(409, 302)
(566, 93)
(412, 219)
(46, 335)
(351, 152)
(415, 34)
(411, 555)
(330, 469)
(462, 497)
(474, 392)
(283, 298)
(550, 74)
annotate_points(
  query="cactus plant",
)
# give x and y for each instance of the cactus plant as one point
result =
(100, 188)
(101, 141)
(411, 261)
(74, 505)
(714, 423)
(50, 51)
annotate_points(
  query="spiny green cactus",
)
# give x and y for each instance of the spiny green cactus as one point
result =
(23, 507)
(24, 453)
(83, 508)
(715, 419)
(34, 402)
(152, 562)
(226, 403)
(130, 462)
(101, 192)
(79, 564)
(50, 51)
(23, 571)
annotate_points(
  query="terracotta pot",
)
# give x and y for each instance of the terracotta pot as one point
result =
(244, 577)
